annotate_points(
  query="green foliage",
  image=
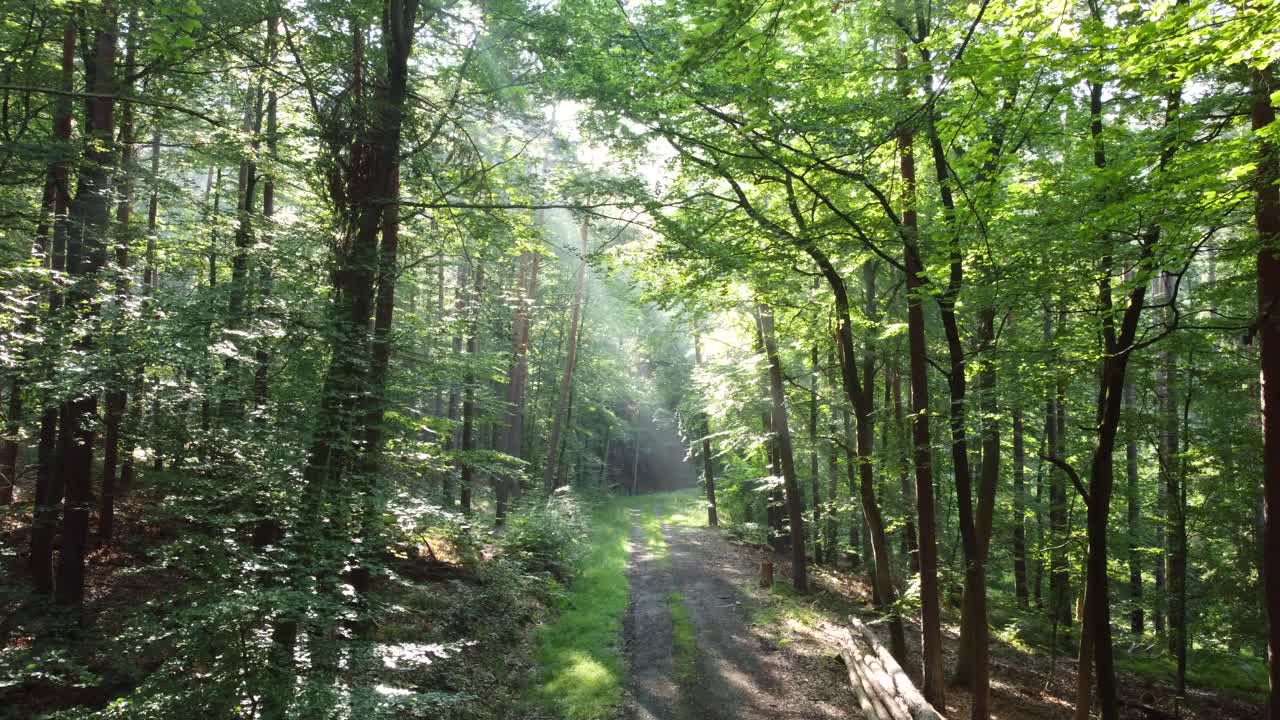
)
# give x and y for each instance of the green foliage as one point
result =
(547, 537)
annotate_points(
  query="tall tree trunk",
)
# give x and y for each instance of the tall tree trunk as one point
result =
(1267, 221)
(49, 480)
(782, 435)
(930, 600)
(89, 222)
(1019, 510)
(708, 465)
(262, 355)
(469, 393)
(1054, 421)
(116, 397)
(1133, 511)
(363, 281)
(1175, 522)
(860, 395)
(517, 376)
(551, 475)
(815, 489)
(232, 405)
(910, 539)
(134, 418)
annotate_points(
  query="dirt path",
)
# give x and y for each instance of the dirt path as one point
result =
(741, 670)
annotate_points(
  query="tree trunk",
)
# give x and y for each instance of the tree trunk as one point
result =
(469, 393)
(1133, 512)
(89, 220)
(708, 466)
(116, 397)
(517, 376)
(262, 355)
(1019, 511)
(1175, 521)
(930, 600)
(1267, 221)
(815, 489)
(551, 474)
(1059, 577)
(782, 434)
(49, 483)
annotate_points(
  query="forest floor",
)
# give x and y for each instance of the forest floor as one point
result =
(702, 640)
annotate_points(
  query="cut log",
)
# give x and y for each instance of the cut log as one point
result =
(884, 691)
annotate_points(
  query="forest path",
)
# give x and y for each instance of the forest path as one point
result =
(691, 584)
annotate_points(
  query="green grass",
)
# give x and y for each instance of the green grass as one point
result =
(686, 655)
(582, 670)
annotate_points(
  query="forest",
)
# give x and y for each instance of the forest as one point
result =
(644, 359)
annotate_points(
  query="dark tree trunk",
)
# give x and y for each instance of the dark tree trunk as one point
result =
(1267, 221)
(89, 221)
(262, 355)
(116, 396)
(930, 600)
(1019, 511)
(49, 484)
(782, 434)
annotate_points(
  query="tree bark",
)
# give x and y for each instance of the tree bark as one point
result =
(49, 484)
(708, 465)
(116, 395)
(782, 435)
(1019, 511)
(930, 601)
(1267, 222)
(551, 476)
(469, 393)
(89, 220)
(1133, 512)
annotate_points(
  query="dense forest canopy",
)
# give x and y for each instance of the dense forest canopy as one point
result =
(328, 331)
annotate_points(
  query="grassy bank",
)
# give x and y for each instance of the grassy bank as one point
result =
(579, 654)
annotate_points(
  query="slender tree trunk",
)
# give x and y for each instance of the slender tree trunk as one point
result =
(930, 600)
(262, 355)
(1133, 512)
(49, 480)
(551, 476)
(1175, 524)
(782, 434)
(469, 393)
(815, 489)
(134, 418)
(1019, 511)
(1267, 221)
(1059, 577)
(708, 465)
(116, 397)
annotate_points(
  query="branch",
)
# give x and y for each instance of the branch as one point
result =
(1071, 473)
(151, 102)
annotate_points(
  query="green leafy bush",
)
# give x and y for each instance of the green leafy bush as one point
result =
(547, 537)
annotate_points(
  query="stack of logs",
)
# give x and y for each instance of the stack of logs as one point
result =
(884, 691)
